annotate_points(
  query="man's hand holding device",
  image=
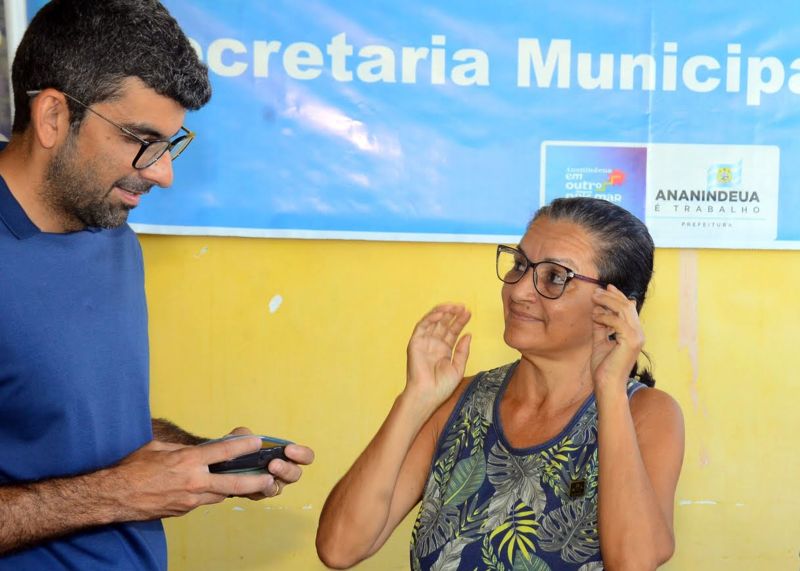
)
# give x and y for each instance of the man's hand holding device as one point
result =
(278, 458)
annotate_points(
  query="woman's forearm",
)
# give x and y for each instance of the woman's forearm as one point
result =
(357, 512)
(634, 532)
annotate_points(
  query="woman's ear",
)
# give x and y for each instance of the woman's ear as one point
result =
(49, 117)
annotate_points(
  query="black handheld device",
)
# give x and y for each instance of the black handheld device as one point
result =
(255, 462)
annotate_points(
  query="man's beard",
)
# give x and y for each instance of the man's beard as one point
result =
(72, 192)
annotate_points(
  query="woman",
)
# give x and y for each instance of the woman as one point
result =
(565, 459)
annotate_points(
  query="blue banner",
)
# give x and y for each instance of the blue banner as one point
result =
(454, 121)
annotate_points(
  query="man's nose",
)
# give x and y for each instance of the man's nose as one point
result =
(160, 172)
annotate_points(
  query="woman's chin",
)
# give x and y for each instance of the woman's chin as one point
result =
(520, 341)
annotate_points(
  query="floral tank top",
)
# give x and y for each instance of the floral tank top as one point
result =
(490, 506)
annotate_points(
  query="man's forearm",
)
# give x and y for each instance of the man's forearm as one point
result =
(31, 513)
(157, 480)
(166, 431)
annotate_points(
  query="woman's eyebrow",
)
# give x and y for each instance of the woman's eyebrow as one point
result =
(564, 261)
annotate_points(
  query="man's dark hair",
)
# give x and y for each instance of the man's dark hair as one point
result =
(86, 48)
(624, 247)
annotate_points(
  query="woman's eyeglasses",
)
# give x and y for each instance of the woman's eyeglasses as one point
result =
(549, 278)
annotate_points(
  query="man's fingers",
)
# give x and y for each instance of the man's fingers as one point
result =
(211, 498)
(228, 449)
(299, 454)
(240, 431)
(240, 484)
(161, 446)
(286, 471)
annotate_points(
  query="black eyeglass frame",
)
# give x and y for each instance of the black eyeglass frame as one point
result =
(529, 265)
(144, 145)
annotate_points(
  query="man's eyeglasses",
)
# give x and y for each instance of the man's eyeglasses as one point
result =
(149, 151)
(549, 278)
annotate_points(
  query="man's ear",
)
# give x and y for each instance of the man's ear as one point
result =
(49, 117)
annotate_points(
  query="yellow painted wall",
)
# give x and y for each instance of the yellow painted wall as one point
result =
(324, 367)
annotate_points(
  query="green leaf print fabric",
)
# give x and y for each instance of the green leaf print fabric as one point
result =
(489, 506)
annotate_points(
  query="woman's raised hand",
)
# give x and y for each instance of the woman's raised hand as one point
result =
(436, 362)
(618, 337)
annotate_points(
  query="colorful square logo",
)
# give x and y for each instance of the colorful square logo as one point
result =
(616, 173)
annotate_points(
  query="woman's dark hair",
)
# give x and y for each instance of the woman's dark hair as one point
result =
(624, 248)
(86, 48)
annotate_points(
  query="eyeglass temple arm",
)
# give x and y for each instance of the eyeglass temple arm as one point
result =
(588, 279)
(633, 296)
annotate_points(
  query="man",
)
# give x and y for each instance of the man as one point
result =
(101, 90)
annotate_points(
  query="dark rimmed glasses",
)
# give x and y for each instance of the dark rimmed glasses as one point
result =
(149, 151)
(549, 278)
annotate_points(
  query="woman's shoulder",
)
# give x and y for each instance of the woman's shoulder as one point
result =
(653, 407)
(475, 389)
(494, 378)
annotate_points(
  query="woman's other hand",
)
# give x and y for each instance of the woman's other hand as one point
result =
(618, 338)
(436, 356)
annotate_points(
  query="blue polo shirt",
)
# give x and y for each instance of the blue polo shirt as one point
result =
(74, 376)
